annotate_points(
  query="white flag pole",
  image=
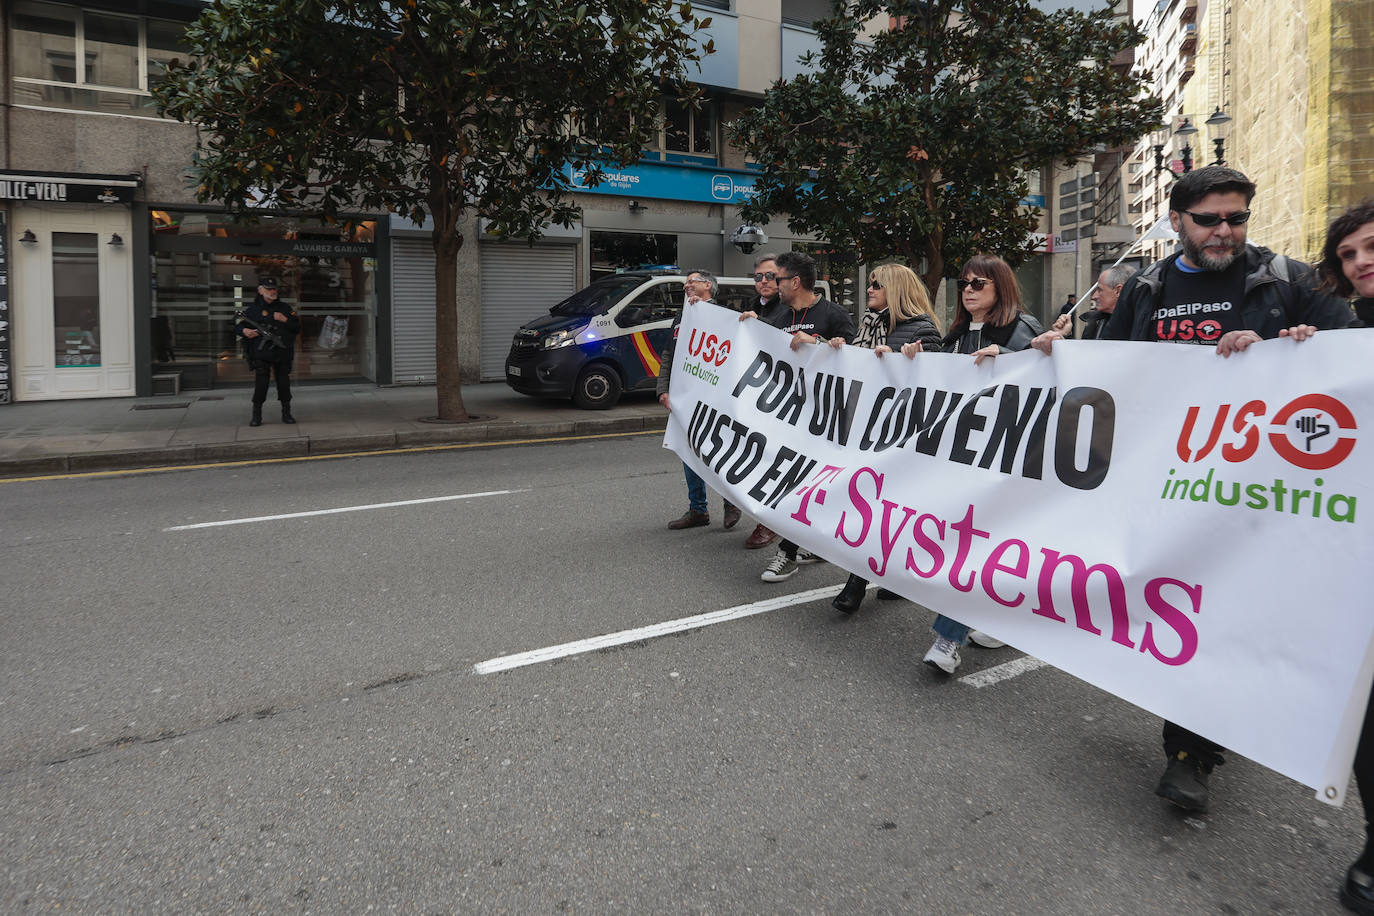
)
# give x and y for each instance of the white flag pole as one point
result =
(1163, 229)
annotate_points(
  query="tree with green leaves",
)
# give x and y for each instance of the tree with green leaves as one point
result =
(914, 142)
(427, 108)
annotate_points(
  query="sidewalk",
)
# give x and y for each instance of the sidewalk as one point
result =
(101, 434)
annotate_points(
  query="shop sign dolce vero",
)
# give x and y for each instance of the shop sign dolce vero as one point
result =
(39, 187)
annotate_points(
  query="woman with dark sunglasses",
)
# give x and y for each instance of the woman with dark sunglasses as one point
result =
(1347, 269)
(989, 321)
(898, 313)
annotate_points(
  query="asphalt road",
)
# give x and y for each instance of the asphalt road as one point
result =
(283, 716)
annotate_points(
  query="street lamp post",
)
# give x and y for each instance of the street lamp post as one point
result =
(1218, 127)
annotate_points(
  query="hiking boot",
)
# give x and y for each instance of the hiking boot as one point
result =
(286, 414)
(1185, 782)
(257, 416)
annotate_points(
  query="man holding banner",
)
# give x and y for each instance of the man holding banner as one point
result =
(1216, 292)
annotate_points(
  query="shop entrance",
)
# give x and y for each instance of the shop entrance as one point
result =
(207, 268)
(72, 303)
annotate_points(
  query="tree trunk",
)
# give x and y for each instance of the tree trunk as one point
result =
(448, 381)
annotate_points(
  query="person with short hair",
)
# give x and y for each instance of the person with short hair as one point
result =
(1217, 292)
(766, 285)
(700, 286)
(269, 330)
(810, 318)
(1106, 292)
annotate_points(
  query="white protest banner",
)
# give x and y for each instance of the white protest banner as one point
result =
(1178, 529)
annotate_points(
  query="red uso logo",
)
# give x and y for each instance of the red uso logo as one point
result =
(1314, 432)
(709, 347)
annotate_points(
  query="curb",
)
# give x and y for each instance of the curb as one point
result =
(216, 452)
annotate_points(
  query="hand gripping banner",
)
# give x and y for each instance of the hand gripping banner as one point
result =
(1181, 530)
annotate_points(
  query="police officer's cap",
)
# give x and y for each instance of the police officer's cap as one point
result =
(267, 283)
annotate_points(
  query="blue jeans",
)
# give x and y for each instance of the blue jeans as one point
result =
(696, 489)
(950, 629)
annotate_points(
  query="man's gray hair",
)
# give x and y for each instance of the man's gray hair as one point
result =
(709, 278)
(1118, 275)
(764, 257)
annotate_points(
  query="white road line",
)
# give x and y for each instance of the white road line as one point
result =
(998, 673)
(535, 656)
(403, 502)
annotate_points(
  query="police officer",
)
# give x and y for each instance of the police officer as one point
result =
(269, 329)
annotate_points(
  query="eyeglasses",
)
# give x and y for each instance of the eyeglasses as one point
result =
(768, 275)
(691, 280)
(874, 284)
(1208, 220)
(976, 282)
(780, 277)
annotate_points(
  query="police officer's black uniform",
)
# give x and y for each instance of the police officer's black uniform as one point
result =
(266, 358)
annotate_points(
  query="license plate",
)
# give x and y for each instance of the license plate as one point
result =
(513, 370)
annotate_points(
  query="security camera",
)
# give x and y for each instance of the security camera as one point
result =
(747, 237)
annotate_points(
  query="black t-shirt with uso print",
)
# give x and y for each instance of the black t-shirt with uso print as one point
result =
(1199, 306)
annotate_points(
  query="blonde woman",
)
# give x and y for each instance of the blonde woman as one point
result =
(898, 313)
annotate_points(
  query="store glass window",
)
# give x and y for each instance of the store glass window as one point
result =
(207, 268)
(76, 299)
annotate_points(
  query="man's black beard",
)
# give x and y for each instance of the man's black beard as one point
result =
(1194, 253)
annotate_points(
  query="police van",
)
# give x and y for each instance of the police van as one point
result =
(608, 338)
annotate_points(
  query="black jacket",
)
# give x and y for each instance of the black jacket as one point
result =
(1008, 337)
(259, 350)
(1271, 304)
(919, 328)
(1093, 323)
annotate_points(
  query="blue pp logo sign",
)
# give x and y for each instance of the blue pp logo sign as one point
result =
(722, 187)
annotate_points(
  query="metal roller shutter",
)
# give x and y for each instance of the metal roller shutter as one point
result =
(412, 311)
(519, 283)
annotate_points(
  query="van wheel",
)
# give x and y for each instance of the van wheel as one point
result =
(597, 388)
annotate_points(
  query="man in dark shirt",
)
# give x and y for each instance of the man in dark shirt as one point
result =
(810, 318)
(1218, 292)
(766, 285)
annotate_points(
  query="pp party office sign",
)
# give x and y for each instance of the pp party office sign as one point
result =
(1173, 527)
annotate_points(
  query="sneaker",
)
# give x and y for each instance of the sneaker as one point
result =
(978, 637)
(943, 655)
(780, 567)
(806, 557)
(1185, 782)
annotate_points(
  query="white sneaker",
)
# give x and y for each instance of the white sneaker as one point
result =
(943, 655)
(779, 568)
(806, 557)
(978, 637)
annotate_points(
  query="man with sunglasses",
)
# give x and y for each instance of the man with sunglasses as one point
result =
(1216, 291)
(810, 318)
(766, 285)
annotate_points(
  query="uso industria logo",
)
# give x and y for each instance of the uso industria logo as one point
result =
(1313, 433)
(705, 352)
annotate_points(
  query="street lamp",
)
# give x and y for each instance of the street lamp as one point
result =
(1219, 128)
(1183, 134)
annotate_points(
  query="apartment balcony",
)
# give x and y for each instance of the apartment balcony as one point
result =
(1189, 44)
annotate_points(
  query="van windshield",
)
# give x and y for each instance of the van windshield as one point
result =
(596, 298)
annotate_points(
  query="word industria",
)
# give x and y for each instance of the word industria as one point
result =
(1275, 497)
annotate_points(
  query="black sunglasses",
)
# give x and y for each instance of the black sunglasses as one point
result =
(780, 277)
(767, 275)
(977, 283)
(874, 284)
(1208, 220)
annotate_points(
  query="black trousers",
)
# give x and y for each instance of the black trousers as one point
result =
(1364, 764)
(1177, 738)
(262, 374)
